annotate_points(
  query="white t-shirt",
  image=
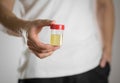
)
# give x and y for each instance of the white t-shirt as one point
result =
(82, 48)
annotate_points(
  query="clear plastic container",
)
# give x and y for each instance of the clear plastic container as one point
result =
(56, 34)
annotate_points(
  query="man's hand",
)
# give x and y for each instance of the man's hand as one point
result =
(40, 49)
(106, 57)
(15, 26)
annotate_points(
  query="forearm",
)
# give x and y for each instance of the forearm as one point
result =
(108, 27)
(106, 20)
(10, 21)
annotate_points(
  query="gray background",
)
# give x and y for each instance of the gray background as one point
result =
(9, 58)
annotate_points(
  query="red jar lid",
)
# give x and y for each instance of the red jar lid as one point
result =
(57, 26)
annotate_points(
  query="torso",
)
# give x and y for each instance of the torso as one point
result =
(81, 49)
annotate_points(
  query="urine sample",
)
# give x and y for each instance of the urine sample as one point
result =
(56, 34)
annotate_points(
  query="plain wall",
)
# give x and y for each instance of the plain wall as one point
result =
(10, 54)
(115, 70)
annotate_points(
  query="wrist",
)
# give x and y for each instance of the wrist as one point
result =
(107, 48)
(23, 25)
(18, 25)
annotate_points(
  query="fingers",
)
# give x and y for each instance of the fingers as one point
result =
(39, 48)
(106, 58)
(43, 50)
(36, 26)
(103, 62)
(42, 55)
(34, 44)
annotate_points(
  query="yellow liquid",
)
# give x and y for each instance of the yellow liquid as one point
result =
(55, 39)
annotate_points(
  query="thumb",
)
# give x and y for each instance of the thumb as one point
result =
(47, 22)
(103, 62)
(37, 25)
(44, 22)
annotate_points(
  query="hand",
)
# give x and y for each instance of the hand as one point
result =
(106, 57)
(40, 49)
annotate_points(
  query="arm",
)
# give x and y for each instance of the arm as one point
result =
(9, 19)
(15, 24)
(106, 15)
